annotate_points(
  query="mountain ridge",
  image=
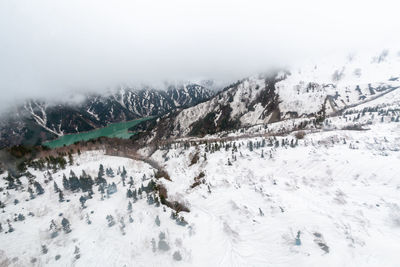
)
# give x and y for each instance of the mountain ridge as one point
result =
(37, 121)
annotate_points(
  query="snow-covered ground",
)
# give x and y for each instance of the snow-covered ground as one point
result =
(342, 197)
(331, 198)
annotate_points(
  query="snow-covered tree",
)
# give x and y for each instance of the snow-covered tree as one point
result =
(66, 225)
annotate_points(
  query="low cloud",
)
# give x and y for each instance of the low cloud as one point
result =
(54, 49)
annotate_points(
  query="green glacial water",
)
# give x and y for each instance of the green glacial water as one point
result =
(118, 129)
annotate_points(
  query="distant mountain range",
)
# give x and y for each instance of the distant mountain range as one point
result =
(311, 91)
(37, 121)
(308, 91)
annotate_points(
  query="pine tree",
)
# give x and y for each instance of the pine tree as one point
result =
(88, 221)
(150, 199)
(66, 225)
(251, 145)
(110, 172)
(56, 189)
(30, 191)
(70, 159)
(101, 189)
(123, 174)
(130, 181)
(60, 196)
(82, 199)
(111, 189)
(20, 217)
(77, 253)
(157, 221)
(44, 249)
(39, 188)
(151, 186)
(129, 207)
(74, 183)
(134, 195)
(110, 220)
(140, 192)
(65, 182)
(129, 193)
(10, 228)
(100, 176)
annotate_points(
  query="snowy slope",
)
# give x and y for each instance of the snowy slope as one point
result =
(348, 80)
(313, 89)
(328, 199)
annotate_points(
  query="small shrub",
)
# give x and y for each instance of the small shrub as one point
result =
(300, 134)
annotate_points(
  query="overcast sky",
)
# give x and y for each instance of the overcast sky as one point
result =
(53, 47)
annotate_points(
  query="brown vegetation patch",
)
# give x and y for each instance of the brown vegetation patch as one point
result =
(175, 205)
(300, 134)
(194, 159)
(162, 174)
(198, 180)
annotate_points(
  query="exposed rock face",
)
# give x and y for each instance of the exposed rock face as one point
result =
(37, 121)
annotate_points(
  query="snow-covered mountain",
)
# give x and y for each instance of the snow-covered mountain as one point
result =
(312, 90)
(37, 121)
(295, 168)
(326, 196)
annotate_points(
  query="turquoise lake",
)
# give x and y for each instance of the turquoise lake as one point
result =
(119, 130)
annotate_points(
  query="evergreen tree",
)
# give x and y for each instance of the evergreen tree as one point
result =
(123, 174)
(77, 253)
(66, 225)
(134, 195)
(74, 183)
(10, 228)
(44, 249)
(56, 189)
(101, 189)
(157, 221)
(151, 186)
(82, 199)
(110, 172)
(110, 220)
(129, 207)
(20, 217)
(88, 221)
(85, 182)
(30, 191)
(39, 188)
(70, 159)
(53, 225)
(60, 196)
(130, 181)
(251, 145)
(111, 189)
(129, 193)
(150, 199)
(65, 182)
(140, 191)
(100, 176)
